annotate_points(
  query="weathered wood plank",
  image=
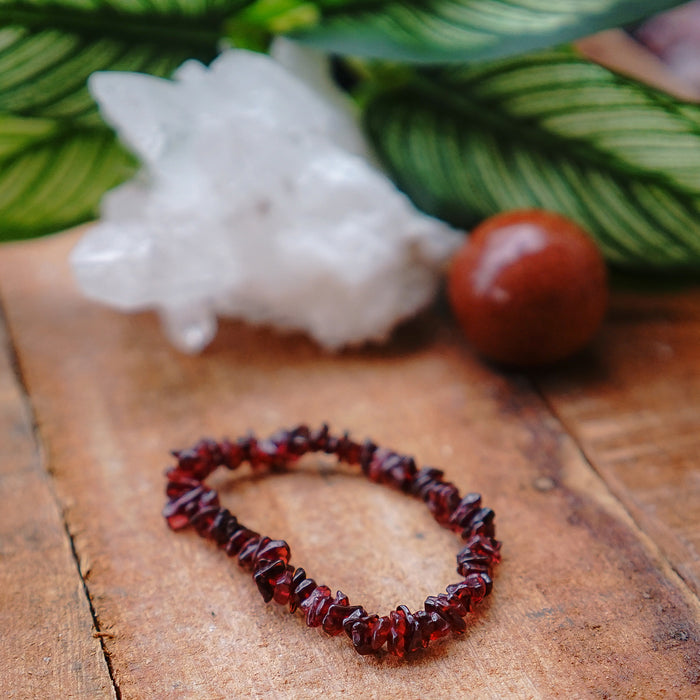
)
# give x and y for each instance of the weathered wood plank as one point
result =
(584, 605)
(634, 407)
(47, 647)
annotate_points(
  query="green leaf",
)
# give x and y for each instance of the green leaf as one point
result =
(56, 176)
(48, 49)
(551, 131)
(17, 134)
(50, 131)
(439, 31)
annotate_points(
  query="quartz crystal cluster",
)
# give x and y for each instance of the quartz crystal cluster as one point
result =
(257, 200)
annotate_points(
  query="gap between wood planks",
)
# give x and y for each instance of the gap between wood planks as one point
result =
(575, 438)
(10, 349)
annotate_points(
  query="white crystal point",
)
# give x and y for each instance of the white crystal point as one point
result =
(136, 106)
(313, 68)
(189, 329)
(254, 203)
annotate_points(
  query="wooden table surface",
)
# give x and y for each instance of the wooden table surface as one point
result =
(592, 469)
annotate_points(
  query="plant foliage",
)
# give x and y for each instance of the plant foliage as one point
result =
(438, 31)
(553, 131)
(56, 156)
(465, 139)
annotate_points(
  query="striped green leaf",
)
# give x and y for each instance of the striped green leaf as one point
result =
(556, 132)
(53, 177)
(465, 30)
(56, 157)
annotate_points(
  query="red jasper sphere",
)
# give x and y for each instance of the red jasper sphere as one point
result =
(528, 287)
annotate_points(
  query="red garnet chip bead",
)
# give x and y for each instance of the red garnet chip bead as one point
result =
(528, 288)
(401, 632)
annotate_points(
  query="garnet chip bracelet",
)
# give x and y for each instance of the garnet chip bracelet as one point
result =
(191, 502)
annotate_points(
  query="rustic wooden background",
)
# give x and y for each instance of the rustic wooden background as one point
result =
(592, 469)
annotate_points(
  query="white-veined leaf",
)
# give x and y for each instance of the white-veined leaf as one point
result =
(465, 30)
(17, 134)
(57, 178)
(49, 122)
(556, 132)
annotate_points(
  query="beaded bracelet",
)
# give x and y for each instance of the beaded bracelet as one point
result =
(192, 503)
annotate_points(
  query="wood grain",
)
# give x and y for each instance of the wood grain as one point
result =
(585, 604)
(47, 645)
(637, 416)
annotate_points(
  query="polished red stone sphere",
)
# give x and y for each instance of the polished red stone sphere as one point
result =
(528, 287)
